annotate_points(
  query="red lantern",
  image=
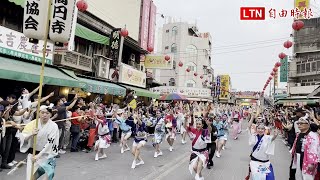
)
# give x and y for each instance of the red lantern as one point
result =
(201, 77)
(150, 49)
(195, 74)
(270, 78)
(297, 25)
(275, 69)
(124, 33)
(272, 73)
(82, 5)
(282, 55)
(278, 64)
(188, 69)
(287, 44)
(167, 57)
(180, 64)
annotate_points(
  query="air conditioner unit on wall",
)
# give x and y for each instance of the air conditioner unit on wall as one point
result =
(102, 65)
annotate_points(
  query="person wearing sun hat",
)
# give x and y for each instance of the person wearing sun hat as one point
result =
(125, 128)
(304, 152)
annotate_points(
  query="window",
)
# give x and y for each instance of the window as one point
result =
(303, 68)
(167, 31)
(318, 65)
(190, 83)
(172, 82)
(192, 66)
(174, 64)
(175, 31)
(191, 53)
(298, 68)
(173, 48)
(308, 67)
(166, 48)
(314, 66)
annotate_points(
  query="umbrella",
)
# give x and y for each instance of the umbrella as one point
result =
(172, 96)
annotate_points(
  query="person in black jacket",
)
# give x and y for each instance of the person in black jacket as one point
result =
(213, 145)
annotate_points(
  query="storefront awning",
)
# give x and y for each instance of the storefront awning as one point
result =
(100, 87)
(293, 102)
(29, 72)
(18, 2)
(90, 35)
(143, 92)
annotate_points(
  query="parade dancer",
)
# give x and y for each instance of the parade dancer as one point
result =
(262, 146)
(226, 122)
(235, 126)
(183, 131)
(199, 156)
(126, 131)
(104, 140)
(47, 135)
(171, 124)
(220, 135)
(158, 134)
(140, 140)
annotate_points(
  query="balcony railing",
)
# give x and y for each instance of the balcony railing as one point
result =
(74, 60)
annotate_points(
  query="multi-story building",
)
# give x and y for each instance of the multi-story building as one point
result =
(304, 69)
(190, 53)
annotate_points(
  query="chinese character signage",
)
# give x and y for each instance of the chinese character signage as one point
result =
(131, 76)
(302, 9)
(284, 70)
(16, 44)
(189, 92)
(63, 13)
(144, 23)
(35, 18)
(154, 61)
(247, 95)
(114, 47)
(152, 25)
(224, 86)
(218, 86)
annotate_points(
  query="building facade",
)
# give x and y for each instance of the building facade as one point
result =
(304, 68)
(90, 60)
(190, 51)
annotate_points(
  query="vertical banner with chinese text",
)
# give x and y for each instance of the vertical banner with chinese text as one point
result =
(35, 18)
(114, 47)
(218, 87)
(63, 13)
(284, 70)
(301, 6)
(144, 23)
(152, 25)
(224, 86)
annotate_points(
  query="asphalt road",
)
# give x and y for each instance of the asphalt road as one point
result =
(233, 164)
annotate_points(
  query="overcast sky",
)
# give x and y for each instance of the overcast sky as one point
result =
(250, 63)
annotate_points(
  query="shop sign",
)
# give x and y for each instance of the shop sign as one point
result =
(247, 95)
(144, 24)
(189, 92)
(131, 76)
(114, 46)
(155, 61)
(16, 44)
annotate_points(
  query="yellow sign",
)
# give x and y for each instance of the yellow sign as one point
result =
(133, 104)
(302, 5)
(131, 76)
(157, 62)
(224, 86)
(276, 83)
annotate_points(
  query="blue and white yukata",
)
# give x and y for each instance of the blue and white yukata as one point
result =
(260, 166)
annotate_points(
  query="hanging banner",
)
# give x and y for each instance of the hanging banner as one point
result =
(301, 6)
(224, 87)
(152, 25)
(284, 70)
(144, 24)
(63, 12)
(114, 47)
(218, 86)
(276, 81)
(35, 19)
